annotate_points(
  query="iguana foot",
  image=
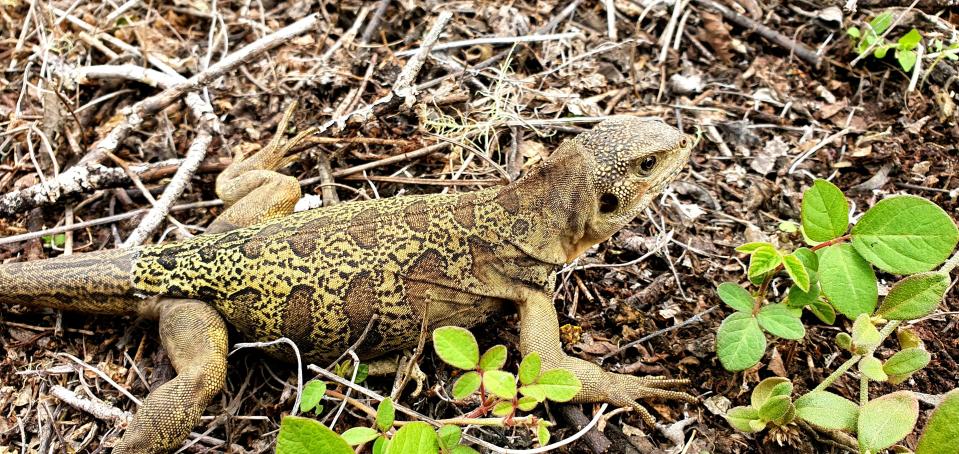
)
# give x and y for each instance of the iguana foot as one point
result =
(250, 187)
(626, 390)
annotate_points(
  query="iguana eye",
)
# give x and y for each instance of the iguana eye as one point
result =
(683, 143)
(647, 165)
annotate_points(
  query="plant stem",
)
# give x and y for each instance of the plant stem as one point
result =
(950, 264)
(837, 373)
(863, 390)
(883, 334)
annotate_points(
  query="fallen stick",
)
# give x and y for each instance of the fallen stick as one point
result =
(808, 55)
(77, 178)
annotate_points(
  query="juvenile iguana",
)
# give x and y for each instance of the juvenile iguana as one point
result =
(319, 276)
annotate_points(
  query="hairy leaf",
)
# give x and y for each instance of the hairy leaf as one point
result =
(887, 419)
(825, 211)
(735, 296)
(942, 430)
(848, 281)
(740, 343)
(456, 346)
(914, 296)
(905, 235)
(827, 410)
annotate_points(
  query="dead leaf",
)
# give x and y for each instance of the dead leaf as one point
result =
(716, 33)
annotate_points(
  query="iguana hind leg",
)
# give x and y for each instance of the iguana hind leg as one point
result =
(250, 187)
(195, 337)
(539, 332)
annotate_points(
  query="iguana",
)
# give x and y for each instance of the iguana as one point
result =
(319, 277)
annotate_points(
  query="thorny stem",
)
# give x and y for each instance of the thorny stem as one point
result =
(764, 287)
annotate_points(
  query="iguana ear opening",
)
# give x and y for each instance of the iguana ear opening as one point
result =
(608, 203)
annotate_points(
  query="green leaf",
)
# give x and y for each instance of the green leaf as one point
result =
(526, 403)
(385, 415)
(306, 436)
(740, 343)
(775, 408)
(463, 449)
(534, 391)
(914, 296)
(827, 410)
(886, 419)
(757, 425)
(942, 430)
(796, 271)
(906, 59)
(449, 436)
(502, 408)
(542, 433)
(853, 32)
(825, 211)
(500, 384)
(466, 385)
(844, 341)
(381, 445)
(907, 361)
(764, 260)
(359, 435)
(808, 258)
(414, 438)
(313, 392)
(768, 388)
(908, 338)
(494, 358)
(456, 346)
(529, 368)
(905, 235)
(560, 385)
(865, 336)
(735, 296)
(779, 320)
(823, 311)
(880, 23)
(871, 367)
(739, 418)
(910, 40)
(848, 281)
(881, 51)
(797, 298)
(749, 248)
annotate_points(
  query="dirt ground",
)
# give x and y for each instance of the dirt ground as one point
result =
(775, 106)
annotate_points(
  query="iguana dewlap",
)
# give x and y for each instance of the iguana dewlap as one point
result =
(318, 277)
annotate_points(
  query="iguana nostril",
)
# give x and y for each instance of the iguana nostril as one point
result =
(608, 203)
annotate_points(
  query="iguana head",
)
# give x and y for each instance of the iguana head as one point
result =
(630, 160)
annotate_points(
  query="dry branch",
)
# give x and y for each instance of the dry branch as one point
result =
(77, 179)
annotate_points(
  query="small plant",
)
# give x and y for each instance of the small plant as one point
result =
(870, 38)
(500, 393)
(902, 235)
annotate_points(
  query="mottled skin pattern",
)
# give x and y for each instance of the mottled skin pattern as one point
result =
(319, 277)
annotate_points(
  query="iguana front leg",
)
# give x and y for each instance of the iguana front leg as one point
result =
(539, 332)
(250, 187)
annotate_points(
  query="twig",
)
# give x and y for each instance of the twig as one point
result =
(819, 146)
(299, 363)
(801, 50)
(493, 40)
(98, 409)
(694, 319)
(75, 179)
(103, 376)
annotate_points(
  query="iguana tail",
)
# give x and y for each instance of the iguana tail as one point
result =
(98, 282)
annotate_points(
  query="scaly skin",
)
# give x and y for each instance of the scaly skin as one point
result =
(318, 277)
